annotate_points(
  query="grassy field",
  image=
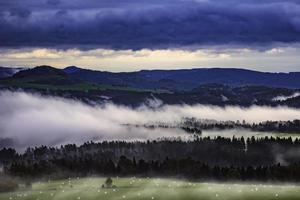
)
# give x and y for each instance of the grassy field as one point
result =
(150, 189)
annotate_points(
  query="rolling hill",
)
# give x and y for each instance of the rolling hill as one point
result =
(187, 79)
(171, 80)
(197, 86)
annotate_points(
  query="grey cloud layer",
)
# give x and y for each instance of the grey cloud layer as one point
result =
(133, 24)
(35, 120)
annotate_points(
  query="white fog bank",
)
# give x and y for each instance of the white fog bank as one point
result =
(38, 120)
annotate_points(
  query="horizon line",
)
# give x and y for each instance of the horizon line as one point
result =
(153, 69)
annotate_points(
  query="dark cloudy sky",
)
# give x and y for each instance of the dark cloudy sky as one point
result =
(126, 35)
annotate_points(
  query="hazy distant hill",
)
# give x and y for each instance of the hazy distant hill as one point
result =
(7, 71)
(187, 79)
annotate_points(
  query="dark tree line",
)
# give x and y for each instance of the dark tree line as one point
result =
(187, 168)
(267, 126)
(203, 158)
(192, 125)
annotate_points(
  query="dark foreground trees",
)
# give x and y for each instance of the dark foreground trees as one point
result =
(267, 159)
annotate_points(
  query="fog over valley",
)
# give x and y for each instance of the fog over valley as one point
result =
(32, 119)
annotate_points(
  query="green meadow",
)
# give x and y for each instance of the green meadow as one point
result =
(150, 189)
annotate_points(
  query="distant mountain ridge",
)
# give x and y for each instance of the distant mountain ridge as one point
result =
(187, 79)
(172, 80)
(219, 87)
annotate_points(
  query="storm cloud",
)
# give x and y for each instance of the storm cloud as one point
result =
(31, 120)
(139, 24)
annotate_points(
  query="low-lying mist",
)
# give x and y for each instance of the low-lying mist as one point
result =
(31, 119)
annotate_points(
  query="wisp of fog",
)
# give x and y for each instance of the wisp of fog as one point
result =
(31, 119)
